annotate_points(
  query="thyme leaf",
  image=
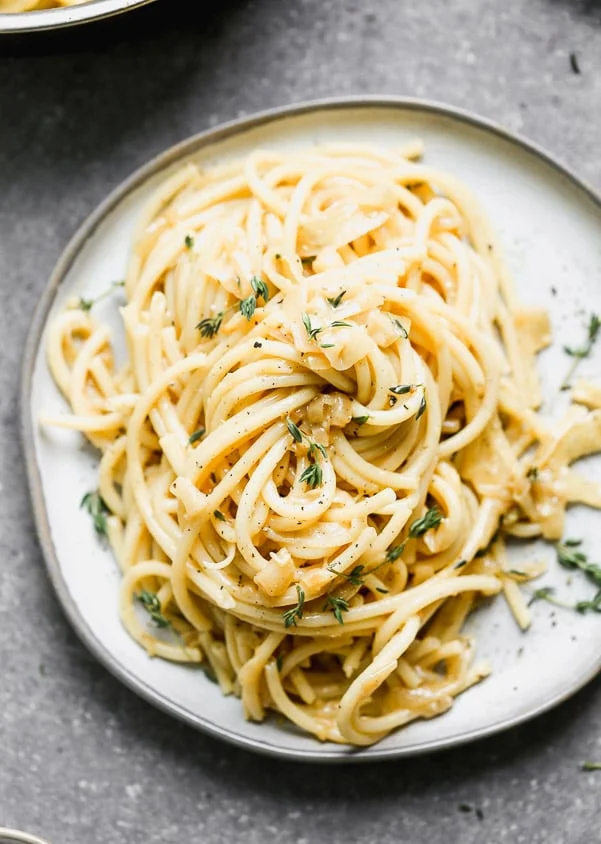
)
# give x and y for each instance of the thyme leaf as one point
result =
(260, 288)
(422, 407)
(394, 553)
(292, 615)
(96, 507)
(338, 606)
(312, 332)
(398, 324)
(248, 306)
(334, 301)
(196, 435)
(355, 576)
(295, 431)
(571, 559)
(430, 520)
(209, 326)
(312, 476)
(152, 605)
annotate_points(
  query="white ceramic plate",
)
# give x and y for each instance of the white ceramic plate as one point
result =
(66, 15)
(550, 227)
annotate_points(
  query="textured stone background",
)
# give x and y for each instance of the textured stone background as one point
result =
(82, 760)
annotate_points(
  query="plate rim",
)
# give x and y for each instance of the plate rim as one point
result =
(42, 20)
(161, 161)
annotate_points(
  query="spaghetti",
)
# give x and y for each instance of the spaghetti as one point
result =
(325, 428)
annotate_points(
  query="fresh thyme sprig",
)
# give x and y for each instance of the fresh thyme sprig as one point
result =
(571, 559)
(334, 301)
(357, 575)
(152, 605)
(260, 291)
(394, 552)
(594, 605)
(338, 606)
(313, 474)
(314, 447)
(354, 577)
(431, 519)
(547, 593)
(96, 507)
(209, 326)
(189, 241)
(295, 431)
(418, 528)
(584, 351)
(88, 304)
(292, 615)
(312, 331)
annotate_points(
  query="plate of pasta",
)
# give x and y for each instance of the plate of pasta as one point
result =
(32, 15)
(312, 412)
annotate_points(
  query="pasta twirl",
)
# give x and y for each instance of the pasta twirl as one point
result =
(325, 427)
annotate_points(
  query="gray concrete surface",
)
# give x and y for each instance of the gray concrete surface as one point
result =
(82, 760)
